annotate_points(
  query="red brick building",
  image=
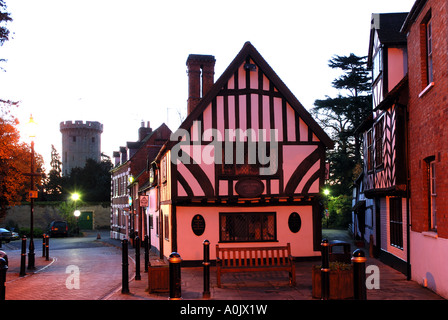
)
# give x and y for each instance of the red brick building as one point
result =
(427, 28)
(130, 181)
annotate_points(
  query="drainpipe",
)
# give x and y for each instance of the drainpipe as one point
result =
(408, 221)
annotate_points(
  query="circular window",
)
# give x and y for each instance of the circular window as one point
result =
(294, 222)
(198, 224)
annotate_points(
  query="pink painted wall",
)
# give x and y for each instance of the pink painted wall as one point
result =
(397, 66)
(190, 248)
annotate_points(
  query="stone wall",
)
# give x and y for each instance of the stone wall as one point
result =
(45, 213)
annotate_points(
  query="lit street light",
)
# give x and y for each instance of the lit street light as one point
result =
(32, 128)
(77, 213)
(75, 197)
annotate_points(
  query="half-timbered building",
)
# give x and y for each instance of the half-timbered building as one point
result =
(398, 199)
(381, 212)
(246, 167)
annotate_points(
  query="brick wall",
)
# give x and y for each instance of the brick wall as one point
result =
(428, 116)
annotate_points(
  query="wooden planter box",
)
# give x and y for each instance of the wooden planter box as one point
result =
(341, 284)
(158, 278)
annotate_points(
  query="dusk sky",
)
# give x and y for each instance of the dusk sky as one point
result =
(123, 62)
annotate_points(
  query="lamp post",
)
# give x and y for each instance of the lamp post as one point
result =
(77, 213)
(33, 194)
(327, 194)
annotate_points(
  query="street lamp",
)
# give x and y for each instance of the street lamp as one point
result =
(327, 215)
(77, 213)
(75, 197)
(31, 128)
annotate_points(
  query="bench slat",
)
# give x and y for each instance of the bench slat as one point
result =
(254, 259)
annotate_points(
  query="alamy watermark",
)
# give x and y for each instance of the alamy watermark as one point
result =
(249, 146)
(372, 277)
(73, 280)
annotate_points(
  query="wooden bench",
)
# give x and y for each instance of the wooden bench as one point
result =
(250, 259)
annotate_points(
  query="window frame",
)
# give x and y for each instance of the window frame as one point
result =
(432, 188)
(429, 51)
(396, 222)
(370, 151)
(378, 137)
(247, 218)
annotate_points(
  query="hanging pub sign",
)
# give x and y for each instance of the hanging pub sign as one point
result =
(198, 225)
(144, 200)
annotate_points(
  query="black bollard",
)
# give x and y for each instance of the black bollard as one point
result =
(4, 256)
(137, 258)
(43, 245)
(325, 269)
(23, 257)
(146, 246)
(47, 247)
(359, 275)
(206, 263)
(3, 269)
(175, 277)
(125, 267)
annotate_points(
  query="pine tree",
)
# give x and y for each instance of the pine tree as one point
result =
(341, 116)
(53, 183)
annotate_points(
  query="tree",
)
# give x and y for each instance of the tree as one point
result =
(342, 115)
(5, 17)
(92, 181)
(53, 182)
(15, 157)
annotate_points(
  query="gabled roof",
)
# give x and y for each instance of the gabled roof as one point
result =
(387, 26)
(249, 50)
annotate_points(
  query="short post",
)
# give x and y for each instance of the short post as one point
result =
(146, 246)
(23, 257)
(3, 269)
(125, 267)
(47, 247)
(359, 275)
(43, 245)
(175, 277)
(325, 269)
(4, 256)
(137, 258)
(206, 263)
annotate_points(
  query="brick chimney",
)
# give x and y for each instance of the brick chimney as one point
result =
(197, 64)
(144, 131)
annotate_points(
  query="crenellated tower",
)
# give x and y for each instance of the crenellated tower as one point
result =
(80, 141)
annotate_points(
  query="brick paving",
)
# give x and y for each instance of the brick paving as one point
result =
(275, 285)
(100, 279)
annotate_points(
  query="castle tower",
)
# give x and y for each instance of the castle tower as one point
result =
(80, 141)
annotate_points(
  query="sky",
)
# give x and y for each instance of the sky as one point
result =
(124, 62)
